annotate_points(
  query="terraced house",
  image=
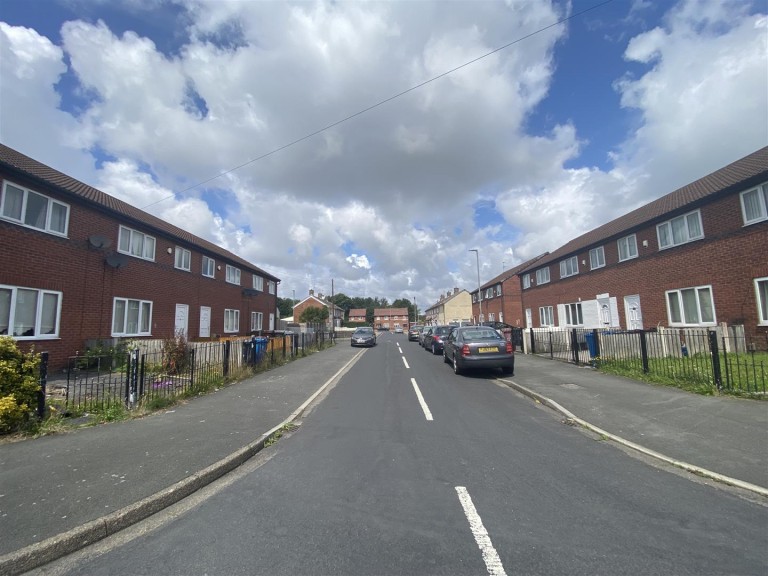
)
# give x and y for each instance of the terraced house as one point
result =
(390, 318)
(78, 266)
(696, 257)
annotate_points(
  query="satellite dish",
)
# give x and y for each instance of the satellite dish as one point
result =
(116, 260)
(99, 241)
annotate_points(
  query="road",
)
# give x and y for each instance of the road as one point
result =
(405, 468)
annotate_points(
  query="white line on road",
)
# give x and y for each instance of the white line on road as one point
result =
(406, 363)
(492, 560)
(424, 407)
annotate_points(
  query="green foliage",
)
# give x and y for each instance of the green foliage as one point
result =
(176, 354)
(102, 355)
(314, 314)
(285, 306)
(19, 384)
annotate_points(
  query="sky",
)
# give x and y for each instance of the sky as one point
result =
(366, 147)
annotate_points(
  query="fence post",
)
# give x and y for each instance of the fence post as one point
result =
(551, 348)
(43, 382)
(644, 352)
(574, 346)
(226, 358)
(133, 376)
(533, 342)
(192, 369)
(715, 359)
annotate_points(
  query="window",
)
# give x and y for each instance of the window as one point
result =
(573, 316)
(209, 266)
(596, 258)
(131, 317)
(569, 267)
(526, 281)
(488, 293)
(754, 204)
(498, 290)
(136, 244)
(761, 288)
(546, 318)
(257, 318)
(680, 230)
(627, 247)
(183, 259)
(542, 275)
(231, 320)
(258, 283)
(233, 275)
(271, 286)
(27, 313)
(34, 210)
(691, 307)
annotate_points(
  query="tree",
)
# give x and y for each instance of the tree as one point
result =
(285, 305)
(313, 314)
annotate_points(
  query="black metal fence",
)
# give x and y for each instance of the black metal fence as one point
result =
(144, 374)
(721, 359)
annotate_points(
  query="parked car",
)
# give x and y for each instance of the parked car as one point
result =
(468, 347)
(423, 333)
(413, 332)
(398, 329)
(363, 337)
(434, 338)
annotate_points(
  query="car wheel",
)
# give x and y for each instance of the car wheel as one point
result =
(456, 369)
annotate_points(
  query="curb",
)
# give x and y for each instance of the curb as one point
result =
(549, 403)
(55, 547)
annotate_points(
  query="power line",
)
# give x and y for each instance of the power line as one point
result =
(382, 102)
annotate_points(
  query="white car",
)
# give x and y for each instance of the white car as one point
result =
(398, 329)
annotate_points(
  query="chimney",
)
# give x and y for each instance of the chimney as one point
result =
(455, 290)
(311, 292)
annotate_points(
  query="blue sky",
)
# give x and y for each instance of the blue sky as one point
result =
(514, 154)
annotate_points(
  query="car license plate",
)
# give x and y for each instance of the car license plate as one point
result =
(486, 349)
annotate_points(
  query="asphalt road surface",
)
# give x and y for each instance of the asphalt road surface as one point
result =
(405, 468)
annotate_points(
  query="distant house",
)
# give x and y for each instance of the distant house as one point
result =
(335, 313)
(78, 266)
(357, 315)
(501, 297)
(390, 318)
(452, 306)
(696, 257)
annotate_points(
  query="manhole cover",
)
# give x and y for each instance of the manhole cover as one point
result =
(571, 386)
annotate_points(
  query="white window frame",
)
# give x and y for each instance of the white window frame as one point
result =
(597, 258)
(762, 204)
(233, 275)
(41, 297)
(257, 321)
(489, 293)
(526, 281)
(148, 243)
(762, 300)
(498, 289)
(143, 321)
(271, 286)
(542, 276)
(209, 267)
(183, 259)
(231, 320)
(569, 267)
(665, 230)
(627, 247)
(258, 283)
(546, 316)
(677, 296)
(21, 219)
(574, 315)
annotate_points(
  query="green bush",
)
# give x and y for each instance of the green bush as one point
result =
(19, 384)
(176, 351)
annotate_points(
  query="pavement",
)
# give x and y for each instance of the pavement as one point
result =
(63, 492)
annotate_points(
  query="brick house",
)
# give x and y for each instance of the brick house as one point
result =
(78, 266)
(319, 301)
(357, 315)
(696, 257)
(390, 318)
(501, 297)
(451, 307)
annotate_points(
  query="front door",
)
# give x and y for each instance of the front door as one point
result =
(205, 321)
(633, 312)
(182, 319)
(528, 318)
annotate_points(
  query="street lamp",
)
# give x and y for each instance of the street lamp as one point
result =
(479, 295)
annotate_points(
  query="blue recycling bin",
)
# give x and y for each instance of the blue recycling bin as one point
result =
(259, 347)
(591, 344)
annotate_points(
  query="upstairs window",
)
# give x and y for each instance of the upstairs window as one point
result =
(680, 230)
(526, 281)
(569, 267)
(34, 210)
(258, 283)
(183, 259)
(233, 275)
(754, 204)
(271, 286)
(136, 244)
(209, 267)
(627, 247)
(542, 275)
(498, 290)
(596, 258)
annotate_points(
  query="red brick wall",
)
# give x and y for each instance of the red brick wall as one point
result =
(33, 259)
(510, 303)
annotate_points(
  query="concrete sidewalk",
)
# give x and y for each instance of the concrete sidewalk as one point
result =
(61, 492)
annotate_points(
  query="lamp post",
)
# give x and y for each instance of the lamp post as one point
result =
(479, 295)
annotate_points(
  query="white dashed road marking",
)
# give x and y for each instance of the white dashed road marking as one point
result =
(491, 558)
(424, 407)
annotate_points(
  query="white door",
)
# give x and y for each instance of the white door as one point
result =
(205, 321)
(271, 321)
(528, 318)
(633, 312)
(182, 319)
